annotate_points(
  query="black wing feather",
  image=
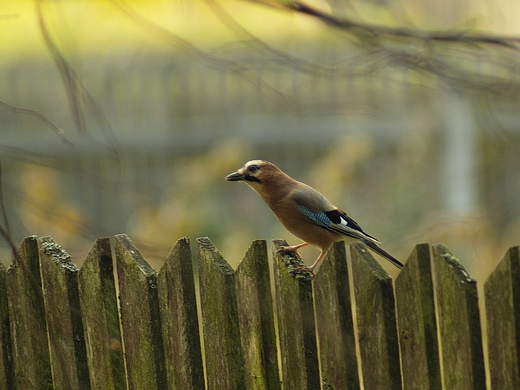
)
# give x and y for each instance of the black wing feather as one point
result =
(336, 215)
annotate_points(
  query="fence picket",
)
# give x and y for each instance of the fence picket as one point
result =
(256, 319)
(64, 321)
(31, 357)
(140, 318)
(222, 345)
(97, 293)
(297, 330)
(6, 348)
(426, 336)
(333, 307)
(180, 325)
(376, 320)
(459, 323)
(502, 291)
(417, 324)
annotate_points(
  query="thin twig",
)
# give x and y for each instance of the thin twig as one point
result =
(48, 123)
(4, 229)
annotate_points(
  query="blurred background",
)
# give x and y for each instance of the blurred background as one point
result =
(124, 117)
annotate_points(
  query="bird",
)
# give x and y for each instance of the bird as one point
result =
(304, 211)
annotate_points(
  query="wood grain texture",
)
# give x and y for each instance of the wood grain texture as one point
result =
(459, 323)
(140, 318)
(97, 292)
(64, 317)
(6, 346)
(502, 292)
(222, 340)
(256, 319)
(297, 330)
(417, 322)
(180, 324)
(31, 356)
(376, 321)
(333, 306)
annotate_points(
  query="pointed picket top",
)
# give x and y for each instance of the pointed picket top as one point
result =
(131, 256)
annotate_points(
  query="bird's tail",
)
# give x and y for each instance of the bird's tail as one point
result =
(376, 248)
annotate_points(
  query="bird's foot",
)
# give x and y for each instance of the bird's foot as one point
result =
(294, 263)
(305, 269)
(289, 249)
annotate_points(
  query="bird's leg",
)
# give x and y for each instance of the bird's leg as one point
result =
(292, 249)
(315, 264)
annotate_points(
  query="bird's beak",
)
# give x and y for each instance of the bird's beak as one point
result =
(235, 176)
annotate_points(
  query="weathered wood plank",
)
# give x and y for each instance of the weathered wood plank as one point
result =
(333, 307)
(416, 322)
(297, 330)
(222, 345)
(140, 318)
(459, 323)
(256, 319)
(31, 356)
(6, 343)
(98, 299)
(179, 318)
(502, 292)
(377, 330)
(64, 322)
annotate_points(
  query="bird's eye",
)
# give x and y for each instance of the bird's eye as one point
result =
(252, 168)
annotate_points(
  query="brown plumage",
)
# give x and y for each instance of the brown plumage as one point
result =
(303, 211)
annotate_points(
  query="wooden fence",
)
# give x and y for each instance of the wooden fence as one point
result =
(63, 328)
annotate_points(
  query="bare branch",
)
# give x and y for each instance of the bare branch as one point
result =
(207, 59)
(374, 31)
(68, 74)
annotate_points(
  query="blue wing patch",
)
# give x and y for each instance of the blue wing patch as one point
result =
(320, 219)
(336, 221)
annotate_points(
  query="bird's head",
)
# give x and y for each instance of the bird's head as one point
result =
(263, 177)
(253, 172)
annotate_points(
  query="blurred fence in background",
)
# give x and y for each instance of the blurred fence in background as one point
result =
(163, 131)
(62, 328)
(154, 113)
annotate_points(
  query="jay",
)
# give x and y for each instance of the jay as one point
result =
(303, 211)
